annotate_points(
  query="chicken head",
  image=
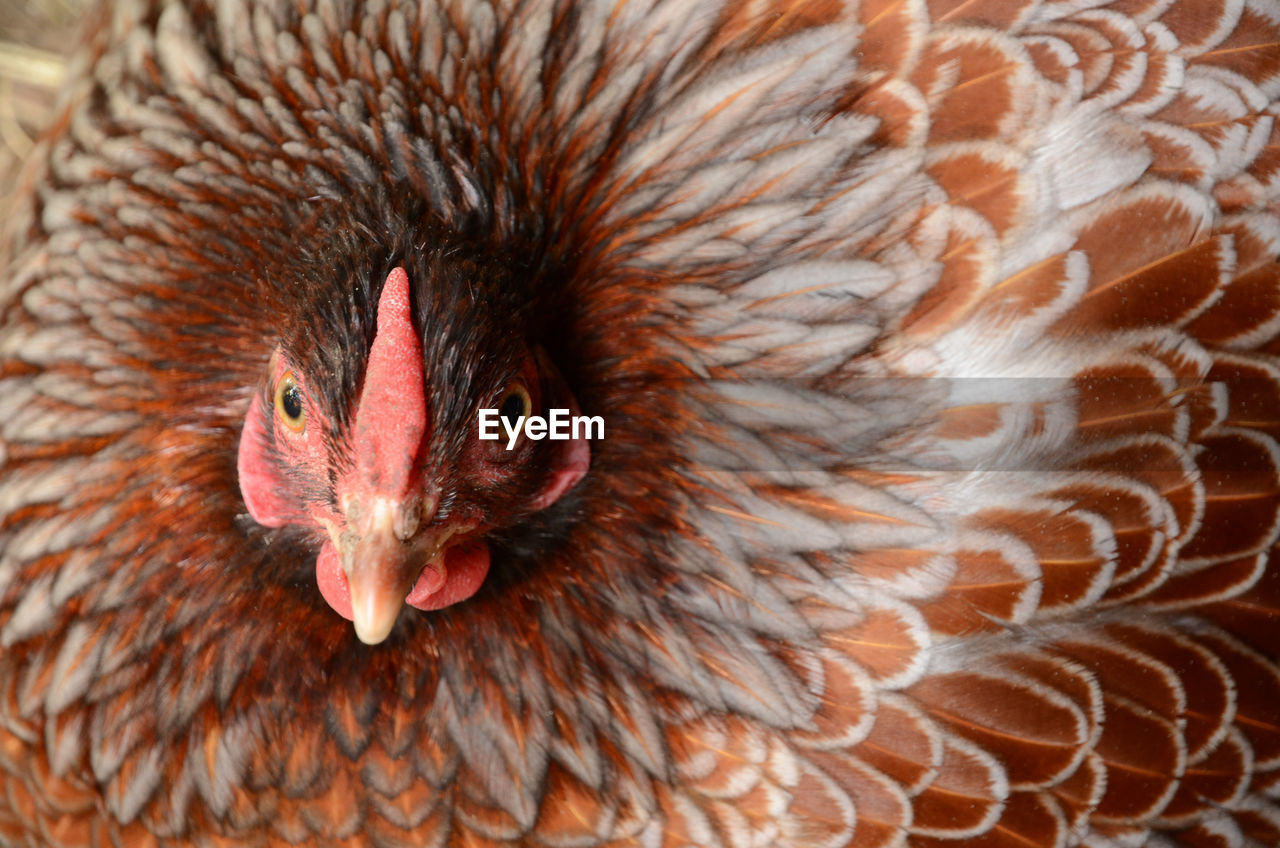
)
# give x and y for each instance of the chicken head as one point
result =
(394, 526)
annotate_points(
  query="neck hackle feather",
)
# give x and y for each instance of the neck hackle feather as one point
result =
(936, 347)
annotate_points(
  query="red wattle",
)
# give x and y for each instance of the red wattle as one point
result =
(333, 582)
(465, 567)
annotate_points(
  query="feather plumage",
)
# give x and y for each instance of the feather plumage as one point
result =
(935, 343)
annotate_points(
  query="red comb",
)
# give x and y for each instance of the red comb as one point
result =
(391, 419)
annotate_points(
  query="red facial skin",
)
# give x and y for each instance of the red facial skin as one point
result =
(381, 546)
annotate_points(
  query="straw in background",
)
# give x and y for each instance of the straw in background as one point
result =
(34, 38)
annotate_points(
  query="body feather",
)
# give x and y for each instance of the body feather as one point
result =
(935, 343)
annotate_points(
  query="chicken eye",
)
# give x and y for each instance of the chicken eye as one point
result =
(515, 405)
(289, 403)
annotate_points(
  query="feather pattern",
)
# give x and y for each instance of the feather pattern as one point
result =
(936, 342)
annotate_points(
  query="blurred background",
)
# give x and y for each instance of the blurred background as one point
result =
(35, 38)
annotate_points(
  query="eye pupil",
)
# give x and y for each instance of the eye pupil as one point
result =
(514, 406)
(291, 402)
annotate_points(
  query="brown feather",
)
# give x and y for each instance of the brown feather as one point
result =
(934, 342)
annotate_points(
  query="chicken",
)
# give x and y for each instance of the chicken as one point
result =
(935, 347)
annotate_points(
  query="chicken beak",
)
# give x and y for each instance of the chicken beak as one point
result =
(382, 566)
(379, 578)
